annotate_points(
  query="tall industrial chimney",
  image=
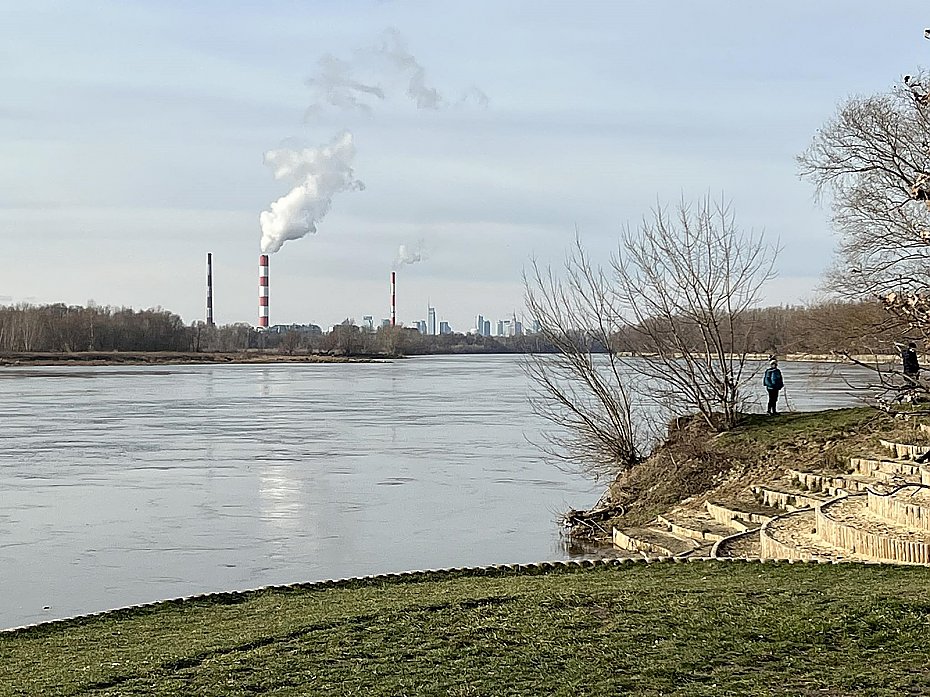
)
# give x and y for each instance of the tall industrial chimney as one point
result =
(263, 291)
(209, 289)
(393, 298)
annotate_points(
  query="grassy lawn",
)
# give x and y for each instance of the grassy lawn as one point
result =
(701, 628)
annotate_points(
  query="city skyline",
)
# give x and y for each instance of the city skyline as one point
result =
(130, 158)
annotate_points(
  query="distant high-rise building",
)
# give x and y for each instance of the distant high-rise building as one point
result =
(386, 322)
(536, 326)
(421, 326)
(368, 322)
(479, 326)
(444, 328)
(487, 327)
(517, 328)
(431, 320)
(500, 327)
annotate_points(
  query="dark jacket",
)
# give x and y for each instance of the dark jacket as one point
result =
(772, 379)
(911, 366)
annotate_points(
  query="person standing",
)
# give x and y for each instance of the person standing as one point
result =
(773, 383)
(911, 364)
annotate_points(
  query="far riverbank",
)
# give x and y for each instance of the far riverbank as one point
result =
(169, 358)
(116, 358)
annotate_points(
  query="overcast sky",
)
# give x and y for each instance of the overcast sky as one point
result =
(132, 138)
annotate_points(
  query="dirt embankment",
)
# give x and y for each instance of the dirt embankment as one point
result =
(694, 464)
(164, 358)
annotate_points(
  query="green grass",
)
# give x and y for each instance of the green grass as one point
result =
(827, 424)
(704, 628)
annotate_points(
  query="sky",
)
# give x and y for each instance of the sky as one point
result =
(133, 141)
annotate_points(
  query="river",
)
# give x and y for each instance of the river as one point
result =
(123, 485)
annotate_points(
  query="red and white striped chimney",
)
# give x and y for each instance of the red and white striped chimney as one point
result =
(393, 298)
(263, 291)
(209, 289)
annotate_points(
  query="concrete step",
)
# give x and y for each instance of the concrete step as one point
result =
(905, 451)
(740, 515)
(785, 497)
(653, 541)
(695, 525)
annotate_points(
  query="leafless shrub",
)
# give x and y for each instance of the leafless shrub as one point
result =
(670, 313)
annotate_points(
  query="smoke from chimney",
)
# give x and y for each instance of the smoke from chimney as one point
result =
(410, 254)
(319, 174)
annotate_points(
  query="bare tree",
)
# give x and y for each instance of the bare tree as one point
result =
(686, 286)
(873, 157)
(672, 312)
(581, 388)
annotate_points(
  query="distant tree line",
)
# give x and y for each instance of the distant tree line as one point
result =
(856, 327)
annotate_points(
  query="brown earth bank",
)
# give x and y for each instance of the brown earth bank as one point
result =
(168, 358)
(695, 465)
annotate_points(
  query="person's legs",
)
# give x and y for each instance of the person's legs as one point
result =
(773, 402)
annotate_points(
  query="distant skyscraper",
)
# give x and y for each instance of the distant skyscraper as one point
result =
(487, 327)
(536, 326)
(431, 321)
(386, 322)
(479, 326)
(517, 328)
(444, 328)
(421, 326)
(368, 322)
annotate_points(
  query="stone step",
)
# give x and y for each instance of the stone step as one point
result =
(653, 541)
(786, 498)
(905, 451)
(695, 525)
(879, 467)
(795, 537)
(742, 545)
(847, 523)
(742, 516)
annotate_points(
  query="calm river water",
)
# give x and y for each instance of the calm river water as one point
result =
(126, 485)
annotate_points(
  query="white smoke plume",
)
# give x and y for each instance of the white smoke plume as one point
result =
(335, 86)
(410, 254)
(393, 49)
(318, 174)
(387, 64)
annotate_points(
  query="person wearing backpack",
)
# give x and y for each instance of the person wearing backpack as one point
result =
(773, 383)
